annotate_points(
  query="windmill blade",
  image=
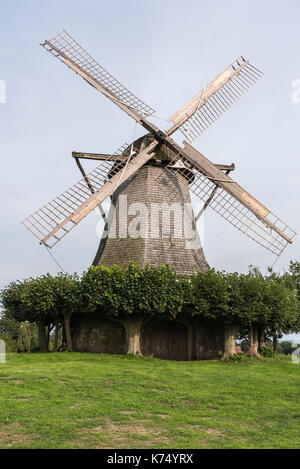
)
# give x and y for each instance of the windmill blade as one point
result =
(58, 217)
(230, 200)
(212, 101)
(68, 51)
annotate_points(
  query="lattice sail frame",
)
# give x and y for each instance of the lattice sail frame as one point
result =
(65, 48)
(233, 210)
(59, 216)
(215, 99)
(48, 217)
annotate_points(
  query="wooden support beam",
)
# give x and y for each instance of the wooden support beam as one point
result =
(91, 188)
(102, 193)
(213, 192)
(95, 156)
(108, 157)
(226, 167)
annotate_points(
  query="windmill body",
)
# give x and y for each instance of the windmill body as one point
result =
(164, 231)
(156, 174)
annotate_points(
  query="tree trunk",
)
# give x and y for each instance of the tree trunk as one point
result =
(133, 334)
(229, 341)
(275, 344)
(67, 320)
(29, 340)
(56, 336)
(49, 330)
(261, 338)
(42, 337)
(253, 339)
(63, 339)
(48, 336)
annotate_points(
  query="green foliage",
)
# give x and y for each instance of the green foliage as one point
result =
(28, 338)
(210, 294)
(237, 357)
(246, 299)
(9, 327)
(11, 300)
(46, 297)
(10, 343)
(293, 275)
(96, 289)
(283, 314)
(267, 352)
(286, 347)
(24, 339)
(247, 302)
(67, 293)
(123, 292)
(270, 302)
(39, 296)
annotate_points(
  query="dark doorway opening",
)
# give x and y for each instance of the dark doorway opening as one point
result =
(165, 339)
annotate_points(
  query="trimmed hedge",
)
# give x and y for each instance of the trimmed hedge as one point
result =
(242, 299)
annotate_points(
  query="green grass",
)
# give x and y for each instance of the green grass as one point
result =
(73, 400)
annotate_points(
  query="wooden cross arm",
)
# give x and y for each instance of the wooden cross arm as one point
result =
(106, 157)
(95, 156)
(226, 167)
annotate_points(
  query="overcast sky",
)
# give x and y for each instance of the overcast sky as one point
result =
(164, 51)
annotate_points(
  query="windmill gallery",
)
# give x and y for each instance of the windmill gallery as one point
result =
(154, 176)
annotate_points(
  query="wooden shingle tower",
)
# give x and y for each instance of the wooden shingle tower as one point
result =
(164, 228)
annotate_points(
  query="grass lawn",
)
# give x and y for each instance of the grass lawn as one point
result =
(73, 400)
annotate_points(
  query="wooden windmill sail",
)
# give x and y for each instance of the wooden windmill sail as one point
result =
(208, 181)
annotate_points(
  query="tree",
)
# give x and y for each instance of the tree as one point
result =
(39, 303)
(248, 306)
(282, 301)
(210, 294)
(9, 326)
(133, 296)
(68, 300)
(287, 347)
(258, 306)
(24, 339)
(11, 301)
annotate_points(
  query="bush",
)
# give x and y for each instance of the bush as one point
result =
(267, 352)
(10, 343)
(237, 357)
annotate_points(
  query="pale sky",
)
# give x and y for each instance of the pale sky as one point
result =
(164, 51)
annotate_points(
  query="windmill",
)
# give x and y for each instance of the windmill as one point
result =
(156, 168)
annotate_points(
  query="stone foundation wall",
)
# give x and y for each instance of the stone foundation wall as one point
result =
(185, 339)
(93, 333)
(208, 339)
